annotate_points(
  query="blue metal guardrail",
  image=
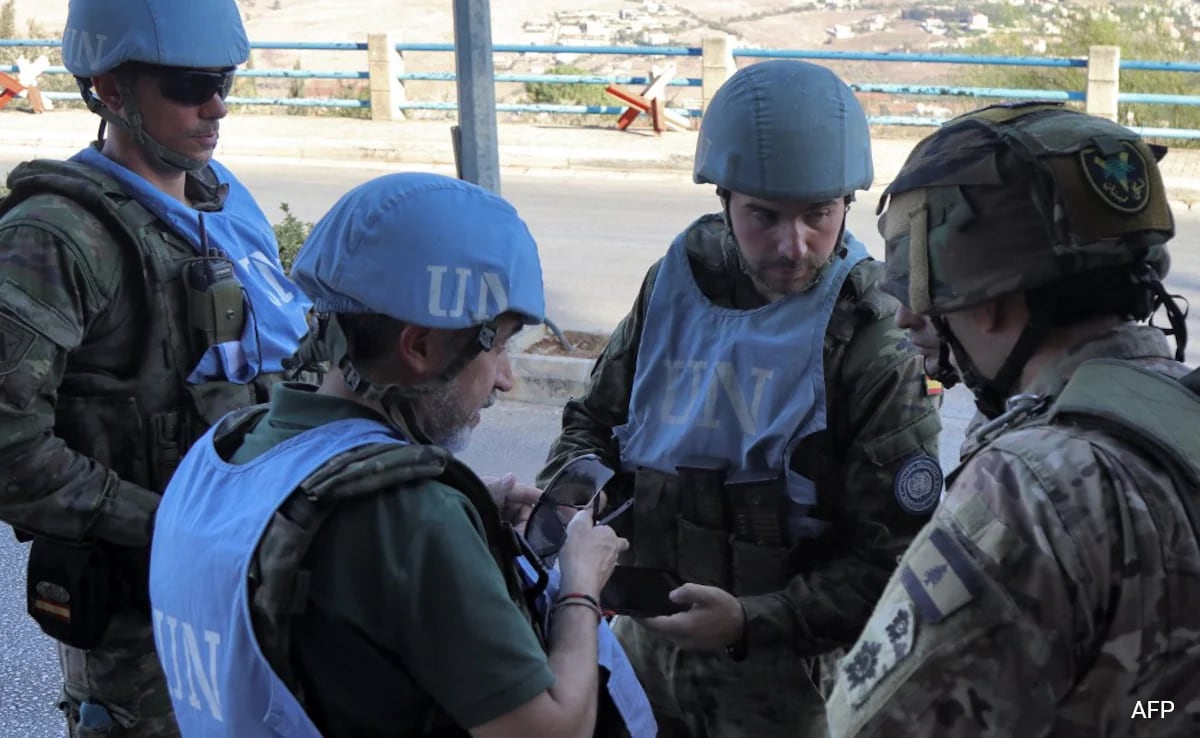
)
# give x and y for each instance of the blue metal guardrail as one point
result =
(691, 51)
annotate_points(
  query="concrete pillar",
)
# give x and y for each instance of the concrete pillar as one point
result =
(717, 65)
(479, 139)
(384, 64)
(1103, 80)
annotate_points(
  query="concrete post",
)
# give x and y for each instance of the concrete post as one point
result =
(1103, 80)
(717, 65)
(479, 145)
(384, 64)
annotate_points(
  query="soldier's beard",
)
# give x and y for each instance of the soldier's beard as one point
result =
(445, 417)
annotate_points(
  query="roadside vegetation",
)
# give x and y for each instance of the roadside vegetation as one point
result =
(1143, 33)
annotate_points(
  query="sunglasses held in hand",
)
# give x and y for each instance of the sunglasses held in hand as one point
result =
(575, 487)
(191, 86)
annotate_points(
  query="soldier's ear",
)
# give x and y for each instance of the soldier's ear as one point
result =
(108, 91)
(419, 352)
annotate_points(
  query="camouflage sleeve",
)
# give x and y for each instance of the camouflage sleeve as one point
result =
(588, 421)
(52, 289)
(973, 634)
(883, 483)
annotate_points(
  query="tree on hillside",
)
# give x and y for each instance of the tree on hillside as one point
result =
(1155, 38)
(8, 29)
(8, 19)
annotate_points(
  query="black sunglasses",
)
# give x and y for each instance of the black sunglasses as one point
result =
(575, 487)
(191, 86)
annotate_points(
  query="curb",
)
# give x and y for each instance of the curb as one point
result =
(544, 380)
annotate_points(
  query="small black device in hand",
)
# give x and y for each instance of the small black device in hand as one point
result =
(640, 592)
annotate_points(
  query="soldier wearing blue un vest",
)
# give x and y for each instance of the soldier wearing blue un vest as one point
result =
(769, 419)
(141, 299)
(325, 567)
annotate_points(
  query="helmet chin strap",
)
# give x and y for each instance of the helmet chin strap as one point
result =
(396, 401)
(132, 122)
(991, 394)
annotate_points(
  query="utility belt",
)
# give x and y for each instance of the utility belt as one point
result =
(733, 530)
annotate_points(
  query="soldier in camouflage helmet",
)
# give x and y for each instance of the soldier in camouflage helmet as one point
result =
(1054, 592)
(141, 297)
(770, 421)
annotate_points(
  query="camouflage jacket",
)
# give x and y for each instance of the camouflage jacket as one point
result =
(95, 412)
(878, 415)
(1053, 594)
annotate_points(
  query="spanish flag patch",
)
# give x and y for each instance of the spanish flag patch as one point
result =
(933, 387)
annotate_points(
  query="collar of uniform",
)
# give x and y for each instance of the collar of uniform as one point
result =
(1130, 341)
(205, 192)
(298, 406)
(201, 187)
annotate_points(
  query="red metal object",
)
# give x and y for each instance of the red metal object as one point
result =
(9, 87)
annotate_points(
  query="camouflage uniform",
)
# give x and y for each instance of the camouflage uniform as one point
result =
(94, 410)
(1047, 595)
(879, 416)
(1053, 593)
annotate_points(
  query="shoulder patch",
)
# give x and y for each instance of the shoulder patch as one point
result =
(15, 340)
(885, 641)
(918, 484)
(939, 577)
(1121, 180)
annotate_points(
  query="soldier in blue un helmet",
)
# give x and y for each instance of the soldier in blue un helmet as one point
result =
(767, 416)
(142, 298)
(357, 580)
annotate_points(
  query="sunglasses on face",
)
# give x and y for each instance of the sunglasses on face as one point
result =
(192, 86)
(575, 487)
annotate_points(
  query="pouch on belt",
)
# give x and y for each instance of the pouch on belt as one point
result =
(759, 504)
(703, 531)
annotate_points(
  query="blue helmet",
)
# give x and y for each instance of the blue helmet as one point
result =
(101, 35)
(785, 130)
(425, 249)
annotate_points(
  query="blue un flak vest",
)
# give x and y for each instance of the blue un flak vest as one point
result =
(741, 385)
(277, 309)
(212, 517)
(623, 685)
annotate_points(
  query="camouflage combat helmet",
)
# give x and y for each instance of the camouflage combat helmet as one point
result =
(1013, 197)
(1017, 198)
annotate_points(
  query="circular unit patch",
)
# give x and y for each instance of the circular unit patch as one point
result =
(918, 484)
(1121, 180)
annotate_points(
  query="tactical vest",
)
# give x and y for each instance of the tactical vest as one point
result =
(140, 425)
(677, 531)
(1163, 423)
(278, 579)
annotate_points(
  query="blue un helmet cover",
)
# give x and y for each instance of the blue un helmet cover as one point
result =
(423, 248)
(785, 130)
(103, 34)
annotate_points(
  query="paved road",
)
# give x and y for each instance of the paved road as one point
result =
(598, 235)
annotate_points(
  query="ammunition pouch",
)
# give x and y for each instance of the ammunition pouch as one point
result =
(69, 588)
(723, 532)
